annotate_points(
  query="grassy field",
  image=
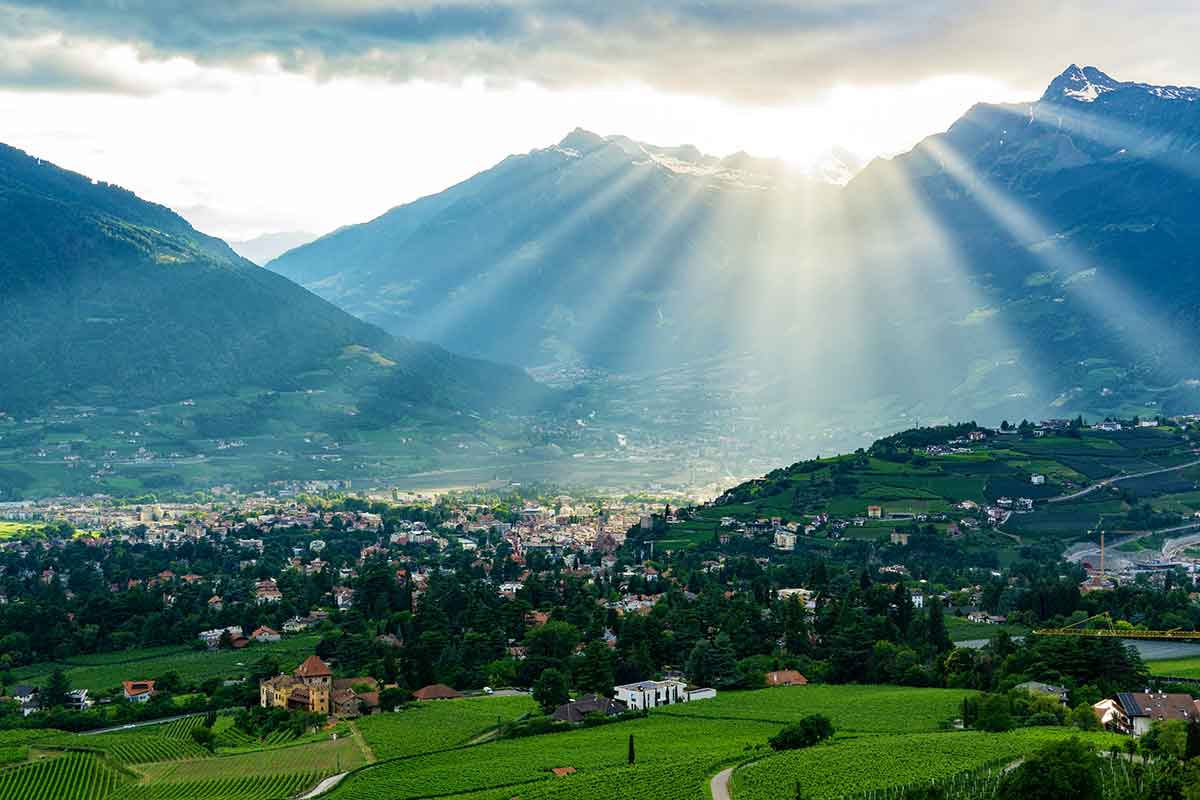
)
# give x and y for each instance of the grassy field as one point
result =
(9, 529)
(101, 672)
(1176, 667)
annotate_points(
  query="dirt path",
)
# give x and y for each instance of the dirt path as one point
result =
(367, 752)
(323, 786)
(719, 785)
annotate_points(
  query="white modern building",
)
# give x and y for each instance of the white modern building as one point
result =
(650, 694)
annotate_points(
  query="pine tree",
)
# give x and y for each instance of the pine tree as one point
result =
(631, 759)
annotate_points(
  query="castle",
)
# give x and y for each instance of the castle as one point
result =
(311, 687)
(308, 688)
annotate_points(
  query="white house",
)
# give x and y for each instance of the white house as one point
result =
(213, 638)
(1037, 480)
(650, 694)
(785, 540)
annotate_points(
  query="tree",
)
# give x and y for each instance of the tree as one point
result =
(550, 690)
(205, 738)
(1084, 718)
(393, 698)
(594, 672)
(631, 755)
(935, 628)
(811, 730)
(57, 688)
(995, 713)
(1192, 748)
(1062, 769)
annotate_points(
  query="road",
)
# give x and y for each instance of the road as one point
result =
(1117, 559)
(720, 784)
(324, 786)
(130, 726)
(1062, 498)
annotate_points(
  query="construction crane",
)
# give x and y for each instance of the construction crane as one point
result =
(1113, 632)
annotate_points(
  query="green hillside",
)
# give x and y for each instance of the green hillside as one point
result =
(917, 478)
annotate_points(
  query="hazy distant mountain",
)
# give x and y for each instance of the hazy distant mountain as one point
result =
(268, 246)
(112, 301)
(1036, 258)
(600, 248)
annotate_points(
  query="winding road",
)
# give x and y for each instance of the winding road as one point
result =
(1062, 498)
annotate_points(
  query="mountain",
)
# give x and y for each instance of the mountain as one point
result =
(545, 256)
(1072, 222)
(269, 246)
(1035, 259)
(111, 301)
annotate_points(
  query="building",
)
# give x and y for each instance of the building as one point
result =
(785, 677)
(650, 694)
(1037, 480)
(785, 540)
(1135, 712)
(265, 634)
(308, 688)
(575, 711)
(436, 691)
(213, 638)
(138, 691)
(874, 512)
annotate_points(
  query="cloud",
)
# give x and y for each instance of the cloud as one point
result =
(747, 51)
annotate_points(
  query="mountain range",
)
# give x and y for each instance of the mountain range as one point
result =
(111, 301)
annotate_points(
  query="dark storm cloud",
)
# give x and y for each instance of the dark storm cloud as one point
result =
(746, 50)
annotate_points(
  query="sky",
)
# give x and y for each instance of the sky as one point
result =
(254, 117)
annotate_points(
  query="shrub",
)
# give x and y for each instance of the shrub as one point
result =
(805, 733)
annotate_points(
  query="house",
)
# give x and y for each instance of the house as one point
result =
(436, 691)
(575, 711)
(308, 688)
(138, 691)
(343, 597)
(1135, 712)
(900, 538)
(27, 699)
(78, 700)
(874, 512)
(1037, 480)
(215, 602)
(785, 677)
(650, 694)
(785, 540)
(264, 634)
(212, 638)
(1037, 687)
(266, 591)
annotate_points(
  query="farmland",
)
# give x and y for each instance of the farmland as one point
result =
(429, 727)
(850, 766)
(913, 483)
(678, 747)
(98, 673)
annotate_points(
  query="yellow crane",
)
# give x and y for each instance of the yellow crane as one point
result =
(1113, 632)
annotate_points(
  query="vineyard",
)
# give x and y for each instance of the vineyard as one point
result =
(429, 727)
(660, 740)
(78, 776)
(131, 748)
(325, 757)
(861, 709)
(857, 766)
(271, 787)
(106, 671)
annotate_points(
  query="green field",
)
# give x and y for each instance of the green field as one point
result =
(851, 766)
(106, 671)
(1176, 667)
(429, 727)
(10, 529)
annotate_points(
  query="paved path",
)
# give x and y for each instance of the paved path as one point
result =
(720, 784)
(324, 786)
(145, 723)
(1062, 498)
